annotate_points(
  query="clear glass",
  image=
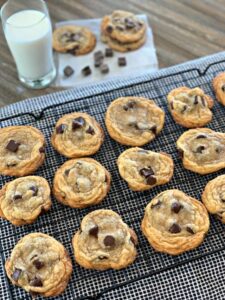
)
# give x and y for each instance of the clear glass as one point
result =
(28, 31)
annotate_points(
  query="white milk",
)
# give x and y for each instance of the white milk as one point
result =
(29, 35)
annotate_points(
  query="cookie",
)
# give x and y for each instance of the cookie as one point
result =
(213, 197)
(24, 199)
(123, 47)
(81, 182)
(123, 26)
(175, 222)
(145, 169)
(202, 150)
(134, 121)
(74, 39)
(104, 242)
(22, 150)
(190, 107)
(219, 87)
(76, 135)
(40, 265)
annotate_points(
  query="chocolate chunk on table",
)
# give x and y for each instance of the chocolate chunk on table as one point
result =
(122, 61)
(98, 55)
(86, 71)
(104, 68)
(108, 52)
(68, 71)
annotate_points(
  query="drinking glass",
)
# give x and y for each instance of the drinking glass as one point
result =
(28, 32)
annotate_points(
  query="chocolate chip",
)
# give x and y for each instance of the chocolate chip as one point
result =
(122, 61)
(90, 130)
(12, 146)
(75, 37)
(86, 71)
(34, 189)
(11, 164)
(201, 136)
(223, 88)
(60, 129)
(171, 105)
(146, 172)
(200, 149)
(38, 264)
(217, 150)
(98, 55)
(176, 207)
(196, 100)
(180, 153)
(42, 150)
(68, 71)
(175, 228)
(73, 50)
(98, 62)
(16, 274)
(151, 180)
(109, 29)
(104, 68)
(109, 241)
(108, 52)
(184, 109)
(157, 204)
(94, 231)
(36, 281)
(203, 101)
(154, 129)
(133, 240)
(129, 23)
(120, 27)
(17, 197)
(78, 123)
(67, 172)
(190, 230)
(101, 257)
(129, 105)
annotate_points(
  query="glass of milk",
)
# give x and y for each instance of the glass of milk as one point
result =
(28, 31)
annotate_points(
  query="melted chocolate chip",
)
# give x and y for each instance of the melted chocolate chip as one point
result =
(94, 231)
(78, 123)
(120, 27)
(12, 146)
(196, 100)
(129, 105)
(171, 105)
(223, 88)
(190, 230)
(16, 274)
(180, 153)
(184, 109)
(36, 281)
(200, 149)
(67, 172)
(203, 101)
(34, 189)
(201, 136)
(17, 197)
(60, 129)
(156, 205)
(154, 129)
(11, 164)
(109, 241)
(109, 29)
(133, 240)
(75, 37)
(90, 130)
(176, 207)
(73, 50)
(42, 150)
(175, 228)
(38, 264)
(146, 172)
(151, 180)
(101, 257)
(217, 150)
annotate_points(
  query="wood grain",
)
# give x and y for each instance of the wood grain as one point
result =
(183, 30)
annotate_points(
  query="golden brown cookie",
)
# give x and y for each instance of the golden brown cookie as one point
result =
(81, 182)
(22, 150)
(104, 241)
(134, 121)
(202, 150)
(213, 197)
(123, 26)
(24, 199)
(76, 135)
(175, 222)
(74, 39)
(145, 169)
(123, 47)
(190, 107)
(40, 265)
(219, 87)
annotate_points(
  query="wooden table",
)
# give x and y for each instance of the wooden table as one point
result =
(183, 30)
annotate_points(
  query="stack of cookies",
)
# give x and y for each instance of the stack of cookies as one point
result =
(123, 31)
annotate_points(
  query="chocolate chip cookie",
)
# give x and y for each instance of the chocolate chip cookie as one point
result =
(24, 199)
(202, 150)
(213, 197)
(40, 265)
(134, 121)
(145, 169)
(190, 108)
(22, 150)
(104, 242)
(175, 222)
(76, 135)
(73, 39)
(81, 182)
(219, 87)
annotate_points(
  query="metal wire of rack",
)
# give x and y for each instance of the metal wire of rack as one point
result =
(61, 222)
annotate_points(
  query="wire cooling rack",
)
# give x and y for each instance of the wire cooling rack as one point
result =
(62, 222)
